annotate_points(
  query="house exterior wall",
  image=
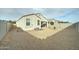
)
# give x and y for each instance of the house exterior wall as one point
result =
(58, 25)
(33, 22)
(42, 17)
(54, 25)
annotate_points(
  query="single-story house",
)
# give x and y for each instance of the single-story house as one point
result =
(38, 21)
(32, 21)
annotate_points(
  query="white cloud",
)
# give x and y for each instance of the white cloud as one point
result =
(59, 13)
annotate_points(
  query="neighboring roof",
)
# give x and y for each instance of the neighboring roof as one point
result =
(53, 20)
(36, 14)
(58, 21)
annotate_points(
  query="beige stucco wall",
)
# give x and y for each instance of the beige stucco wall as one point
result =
(33, 22)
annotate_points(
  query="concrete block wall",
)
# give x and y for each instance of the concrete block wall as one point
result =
(64, 25)
(4, 28)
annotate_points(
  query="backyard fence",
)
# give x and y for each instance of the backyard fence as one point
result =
(4, 28)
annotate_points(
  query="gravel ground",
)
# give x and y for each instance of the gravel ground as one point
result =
(67, 39)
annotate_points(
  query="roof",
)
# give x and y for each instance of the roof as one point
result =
(36, 14)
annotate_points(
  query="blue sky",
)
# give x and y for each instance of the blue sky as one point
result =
(64, 14)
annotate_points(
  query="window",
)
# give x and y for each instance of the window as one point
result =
(38, 22)
(27, 22)
(52, 23)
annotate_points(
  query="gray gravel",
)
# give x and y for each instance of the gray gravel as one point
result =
(68, 39)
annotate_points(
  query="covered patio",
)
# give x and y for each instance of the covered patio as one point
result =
(44, 24)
